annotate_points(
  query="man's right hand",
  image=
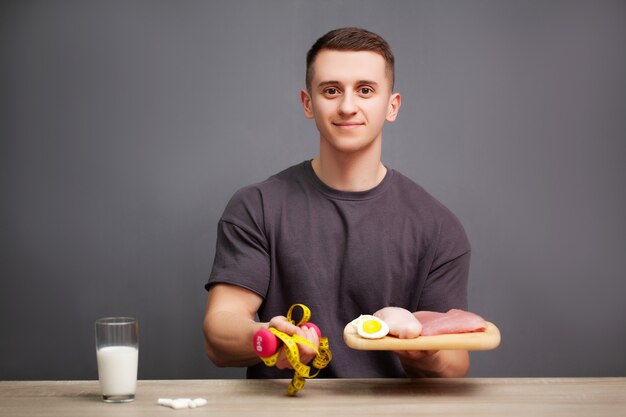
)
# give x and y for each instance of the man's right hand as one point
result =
(306, 353)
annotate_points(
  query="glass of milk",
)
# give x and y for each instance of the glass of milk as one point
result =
(117, 351)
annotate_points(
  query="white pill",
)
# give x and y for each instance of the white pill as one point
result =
(199, 402)
(179, 403)
(165, 401)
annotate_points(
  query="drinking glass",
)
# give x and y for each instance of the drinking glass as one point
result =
(117, 352)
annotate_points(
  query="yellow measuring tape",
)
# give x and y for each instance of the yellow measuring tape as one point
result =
(301, 371)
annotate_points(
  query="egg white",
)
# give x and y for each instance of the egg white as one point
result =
(355, 322)
(384, 328)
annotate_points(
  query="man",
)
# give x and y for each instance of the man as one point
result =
(342, 233)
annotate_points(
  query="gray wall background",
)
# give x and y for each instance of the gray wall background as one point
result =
(126, 126)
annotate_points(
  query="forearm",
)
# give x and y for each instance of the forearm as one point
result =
(228, 339)
(440, 364)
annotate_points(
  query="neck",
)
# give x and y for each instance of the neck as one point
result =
(349, 172)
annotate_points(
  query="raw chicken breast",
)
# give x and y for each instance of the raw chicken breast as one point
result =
(454, 321)
(402, 323)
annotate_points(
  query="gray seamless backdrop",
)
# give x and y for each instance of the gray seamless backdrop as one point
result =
(126, 126)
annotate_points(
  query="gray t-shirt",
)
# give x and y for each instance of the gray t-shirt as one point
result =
(292, 239)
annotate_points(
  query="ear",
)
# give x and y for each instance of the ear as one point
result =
(394, 105)
(307, 105)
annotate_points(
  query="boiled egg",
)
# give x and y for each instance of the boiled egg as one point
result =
(370, 327)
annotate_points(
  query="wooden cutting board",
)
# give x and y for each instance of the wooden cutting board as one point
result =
(487, 340)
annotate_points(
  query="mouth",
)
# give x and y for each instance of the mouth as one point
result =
(348, 125)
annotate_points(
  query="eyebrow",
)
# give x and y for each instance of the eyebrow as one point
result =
(333, 82)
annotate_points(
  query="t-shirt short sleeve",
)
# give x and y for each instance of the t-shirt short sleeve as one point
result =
(446, 284)
(242, 252)
(292, 239)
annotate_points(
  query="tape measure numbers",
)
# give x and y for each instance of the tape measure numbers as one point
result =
(290, 346)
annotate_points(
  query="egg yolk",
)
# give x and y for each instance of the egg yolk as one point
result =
(371, 326)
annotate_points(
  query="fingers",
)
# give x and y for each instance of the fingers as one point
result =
(306, 353)
(282, 324)
(281, 360)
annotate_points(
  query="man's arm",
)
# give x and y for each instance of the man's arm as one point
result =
(229, 326)
(435, 363)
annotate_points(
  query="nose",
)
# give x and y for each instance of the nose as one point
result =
(347, 106)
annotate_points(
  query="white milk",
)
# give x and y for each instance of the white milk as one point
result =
(117, 369)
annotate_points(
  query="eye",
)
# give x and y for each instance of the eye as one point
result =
(331, 91)
(366, 91)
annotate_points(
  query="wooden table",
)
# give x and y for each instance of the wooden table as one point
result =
(500, 397)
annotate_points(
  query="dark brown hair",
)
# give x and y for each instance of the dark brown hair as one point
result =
(350, 39)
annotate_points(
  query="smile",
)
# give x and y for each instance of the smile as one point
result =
(348, 125)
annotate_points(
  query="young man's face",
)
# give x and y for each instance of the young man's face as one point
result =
(350, 98)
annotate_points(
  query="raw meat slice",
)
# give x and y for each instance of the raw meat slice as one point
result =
(454, 321)
(402, 323)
